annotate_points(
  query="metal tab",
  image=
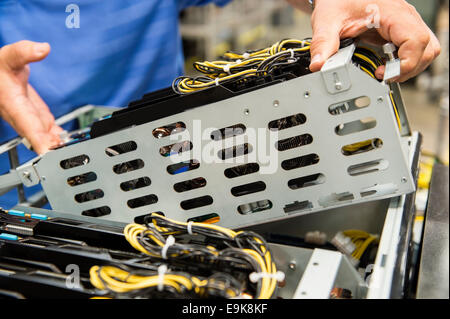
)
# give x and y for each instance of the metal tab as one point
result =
(335, 71)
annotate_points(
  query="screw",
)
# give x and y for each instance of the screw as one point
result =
(27, 175)
(380, 99)
(292, 265)
(307, 94)
(338, 86)
(404, 180)
(246, 111)
(389, 49)
(276, 103)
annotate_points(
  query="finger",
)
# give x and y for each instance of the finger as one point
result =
(427, 57)
(410, 35)
(20, 112)
(47, 118)
(325, 42)
(19, 54)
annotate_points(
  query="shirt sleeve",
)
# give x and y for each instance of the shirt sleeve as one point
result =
(183, 4)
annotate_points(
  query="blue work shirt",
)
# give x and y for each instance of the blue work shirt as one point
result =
(120, 50)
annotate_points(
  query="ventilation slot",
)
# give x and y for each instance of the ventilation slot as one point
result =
(248, 189)
(82, 179)
(97, 212)
(196, 202)
(241, 170)
(141, 219)
(297, 207)
(121, 148)
(368, 167)
(379, 190)
(135, 184)
(227, 132)
(182, 167)
(287, 122)
(301, 161)
(235, 151)
(74, 161)
(349, 106)
(306, 181)
(255, 207)
(293, 142)
(355, 126)
(189, 185)
(88, 196)
(334, 198)
(168, 130)
(176, 148)
(128, 166)
(142, 201)
(207, 219)
(362, 147)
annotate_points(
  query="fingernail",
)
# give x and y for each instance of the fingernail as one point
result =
(40, 48)
(316, 59)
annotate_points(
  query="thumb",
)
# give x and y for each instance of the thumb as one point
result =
(326, 37)
(19, 54)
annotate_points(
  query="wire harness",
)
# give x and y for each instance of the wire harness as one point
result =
(240, 263)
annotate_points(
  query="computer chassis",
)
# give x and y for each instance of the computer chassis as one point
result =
(145, 158)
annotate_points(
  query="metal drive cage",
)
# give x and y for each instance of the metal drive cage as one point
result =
(337, 142)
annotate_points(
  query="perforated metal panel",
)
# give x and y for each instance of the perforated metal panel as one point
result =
(332, 177)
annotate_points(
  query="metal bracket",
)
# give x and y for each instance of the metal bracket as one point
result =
(28, 174)
(319, 276)
(335, 71)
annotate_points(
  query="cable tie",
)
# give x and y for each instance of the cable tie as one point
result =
(255, 276)
(189, 227)
(238, 61)
(302, 43)
(226, 68)
(217, 81)
(170, 241)
(246, 55)
(292, 53)
(162, 270)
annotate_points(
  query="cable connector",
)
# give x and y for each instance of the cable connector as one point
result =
(316, 238)
(345, 245)
(256, 276)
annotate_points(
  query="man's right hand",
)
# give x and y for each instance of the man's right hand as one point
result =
(20, 105)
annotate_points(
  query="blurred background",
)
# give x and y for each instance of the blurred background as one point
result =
(252, 24)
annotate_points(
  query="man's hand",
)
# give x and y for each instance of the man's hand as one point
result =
(375, 22)
(20, 105)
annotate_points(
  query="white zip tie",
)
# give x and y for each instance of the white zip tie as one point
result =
(169, 242)
(189, 227)
(292, 53)
(161, 273)
(217, 81)
(238, 61)
(255, 276)
(246, 55)
(302, 43)
(226, 68)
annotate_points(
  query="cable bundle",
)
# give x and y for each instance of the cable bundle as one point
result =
(243, 66)
(228, 256)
